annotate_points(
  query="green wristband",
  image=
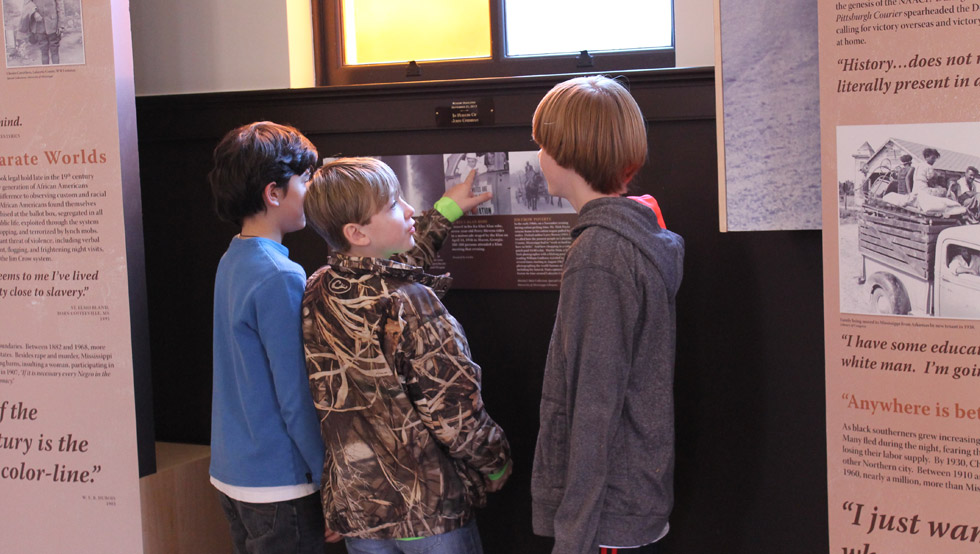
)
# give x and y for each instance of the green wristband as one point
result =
(448, 208)
(499, 473)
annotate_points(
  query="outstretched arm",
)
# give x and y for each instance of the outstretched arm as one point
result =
(432, 227)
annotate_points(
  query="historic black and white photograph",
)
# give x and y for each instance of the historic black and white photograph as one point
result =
(43, 32)
(492, 174)
(515, 178)
(529, 189)
(519, 187)
(908, 214)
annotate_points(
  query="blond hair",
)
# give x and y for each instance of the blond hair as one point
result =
(347, 190)
(593, 126)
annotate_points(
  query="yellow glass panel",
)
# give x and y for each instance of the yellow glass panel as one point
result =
(392, 31)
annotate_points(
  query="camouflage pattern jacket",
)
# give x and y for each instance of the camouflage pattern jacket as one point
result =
(408, 441)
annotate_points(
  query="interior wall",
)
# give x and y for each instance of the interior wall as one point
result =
(191, 46)
(188, 46)
(751, 471)
(694, 33)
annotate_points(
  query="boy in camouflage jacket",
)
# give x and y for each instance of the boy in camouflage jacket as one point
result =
(410, 449)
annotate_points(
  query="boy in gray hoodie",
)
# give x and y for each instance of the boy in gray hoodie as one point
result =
(604, 461)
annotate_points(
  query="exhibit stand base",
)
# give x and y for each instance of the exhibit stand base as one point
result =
(180, 509)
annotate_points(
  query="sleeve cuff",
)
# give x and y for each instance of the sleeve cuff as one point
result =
(448, 208)
(500, 472)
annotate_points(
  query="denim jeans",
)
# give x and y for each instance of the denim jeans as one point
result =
(287, 527)
(465, 540)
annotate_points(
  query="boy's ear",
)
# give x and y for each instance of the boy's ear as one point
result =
(271, 195)
(355, 236)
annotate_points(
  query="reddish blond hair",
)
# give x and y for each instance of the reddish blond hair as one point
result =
(593, 126)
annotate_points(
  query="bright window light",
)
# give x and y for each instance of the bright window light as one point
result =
(541, 27)
(386, 31)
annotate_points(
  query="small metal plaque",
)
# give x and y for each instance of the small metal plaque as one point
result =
(465, 113)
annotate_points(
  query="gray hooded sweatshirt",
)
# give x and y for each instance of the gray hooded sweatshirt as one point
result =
(604, 461)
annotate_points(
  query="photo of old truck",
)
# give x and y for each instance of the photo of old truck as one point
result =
(916, 264)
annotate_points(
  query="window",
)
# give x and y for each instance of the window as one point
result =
(547, 27)
(385, 32)
(963, 260)
(383, 41)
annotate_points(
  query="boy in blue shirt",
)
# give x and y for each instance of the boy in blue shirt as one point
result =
(266, 451)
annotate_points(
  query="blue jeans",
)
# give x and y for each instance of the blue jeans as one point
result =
(287, 527)
(465, 540)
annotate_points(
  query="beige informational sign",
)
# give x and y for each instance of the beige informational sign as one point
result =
(522, 232)
(900, 148)
(68, 455)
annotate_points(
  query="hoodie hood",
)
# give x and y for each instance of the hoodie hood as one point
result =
(638, 224)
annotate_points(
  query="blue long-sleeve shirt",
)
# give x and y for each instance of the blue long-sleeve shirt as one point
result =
(264, 428)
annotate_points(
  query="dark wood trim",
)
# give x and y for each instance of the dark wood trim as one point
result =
(319, 40)
(498, 32)
(327, 41)
(497, 67)
(664, 95)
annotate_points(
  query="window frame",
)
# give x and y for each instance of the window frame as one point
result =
(330, 70)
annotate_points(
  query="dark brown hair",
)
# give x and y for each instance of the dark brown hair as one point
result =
(249, 158)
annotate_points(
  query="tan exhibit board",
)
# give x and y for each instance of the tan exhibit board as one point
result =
(68, 455)
(900, 144)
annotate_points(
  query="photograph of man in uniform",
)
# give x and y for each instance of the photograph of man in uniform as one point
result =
(43, 32)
